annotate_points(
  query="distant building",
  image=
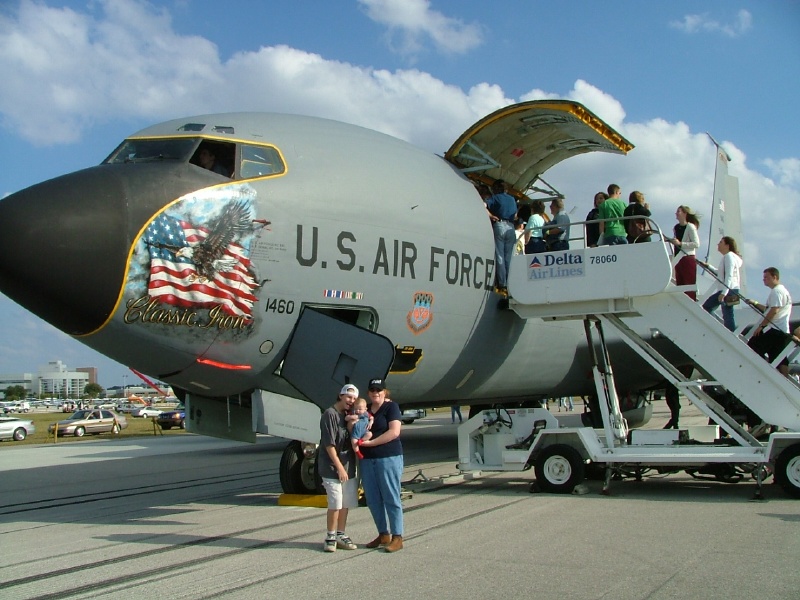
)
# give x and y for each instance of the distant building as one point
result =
(91, 371)
(141, 390)
(26, 380)
(57, 381)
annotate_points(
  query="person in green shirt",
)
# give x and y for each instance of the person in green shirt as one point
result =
(612, 232)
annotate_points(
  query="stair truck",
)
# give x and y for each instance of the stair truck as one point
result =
(629, 290)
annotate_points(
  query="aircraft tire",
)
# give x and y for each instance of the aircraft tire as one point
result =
(559, 468)
(787, 470)
(298, 475)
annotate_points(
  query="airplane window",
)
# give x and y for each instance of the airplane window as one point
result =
(259, 161)
(192, 127)
(215, 156)
(152, 150)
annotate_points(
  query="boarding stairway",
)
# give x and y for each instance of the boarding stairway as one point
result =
(629, 289)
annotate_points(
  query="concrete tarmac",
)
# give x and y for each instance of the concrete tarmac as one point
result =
(192, 517)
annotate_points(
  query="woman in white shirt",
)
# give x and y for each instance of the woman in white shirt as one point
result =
(534, 236)
(729, 278)
(686, 242)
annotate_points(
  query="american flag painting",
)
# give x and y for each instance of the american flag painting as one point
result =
(178, 278)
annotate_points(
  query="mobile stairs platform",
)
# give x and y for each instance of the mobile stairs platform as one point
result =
(628, 289)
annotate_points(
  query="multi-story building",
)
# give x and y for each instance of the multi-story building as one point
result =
(57, 381)
(26, 380)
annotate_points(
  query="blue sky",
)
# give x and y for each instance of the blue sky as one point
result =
(79, 76)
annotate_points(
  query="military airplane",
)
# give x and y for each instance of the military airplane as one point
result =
(309, 254)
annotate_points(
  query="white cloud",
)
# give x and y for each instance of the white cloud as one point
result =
(413, 22)
(63, 70)
(786, 171)
(704, 24)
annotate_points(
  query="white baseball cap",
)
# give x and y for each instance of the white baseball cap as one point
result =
(349, 390)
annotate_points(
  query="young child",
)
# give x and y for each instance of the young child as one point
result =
(358, 423)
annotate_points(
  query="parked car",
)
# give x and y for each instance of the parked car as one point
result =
(172, 418)
(13, 428)
(145, 411)
(409, 415)
(90, 421)
(17, 407)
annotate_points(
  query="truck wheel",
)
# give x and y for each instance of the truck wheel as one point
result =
(559, 469)
(787, 470)
(298, 474)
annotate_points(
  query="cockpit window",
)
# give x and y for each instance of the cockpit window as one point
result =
(258, 161)
(215, 156)
(228, 159)
(152, 150)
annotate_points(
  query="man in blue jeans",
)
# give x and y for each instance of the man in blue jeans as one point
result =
(382, 469)
(502, 210)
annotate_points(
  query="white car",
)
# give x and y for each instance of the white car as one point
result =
(12, 428)
(145, 412)
(411, 414)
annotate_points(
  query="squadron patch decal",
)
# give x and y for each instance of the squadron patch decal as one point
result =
(420, 316)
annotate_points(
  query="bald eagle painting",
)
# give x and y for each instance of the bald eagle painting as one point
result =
(209, 255)
(204, 265)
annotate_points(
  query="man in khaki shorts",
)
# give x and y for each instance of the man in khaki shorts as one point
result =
(337, 468)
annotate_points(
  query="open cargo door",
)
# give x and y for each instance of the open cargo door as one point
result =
(518, 143)
(325, 353)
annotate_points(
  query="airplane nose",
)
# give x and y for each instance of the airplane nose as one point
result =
(64, 243)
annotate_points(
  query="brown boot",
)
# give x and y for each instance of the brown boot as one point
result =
(382, 540)
(396, 544)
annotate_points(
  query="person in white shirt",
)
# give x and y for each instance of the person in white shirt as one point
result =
(686, 242)
(772, 333)
(729, 278)
(534, 235)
